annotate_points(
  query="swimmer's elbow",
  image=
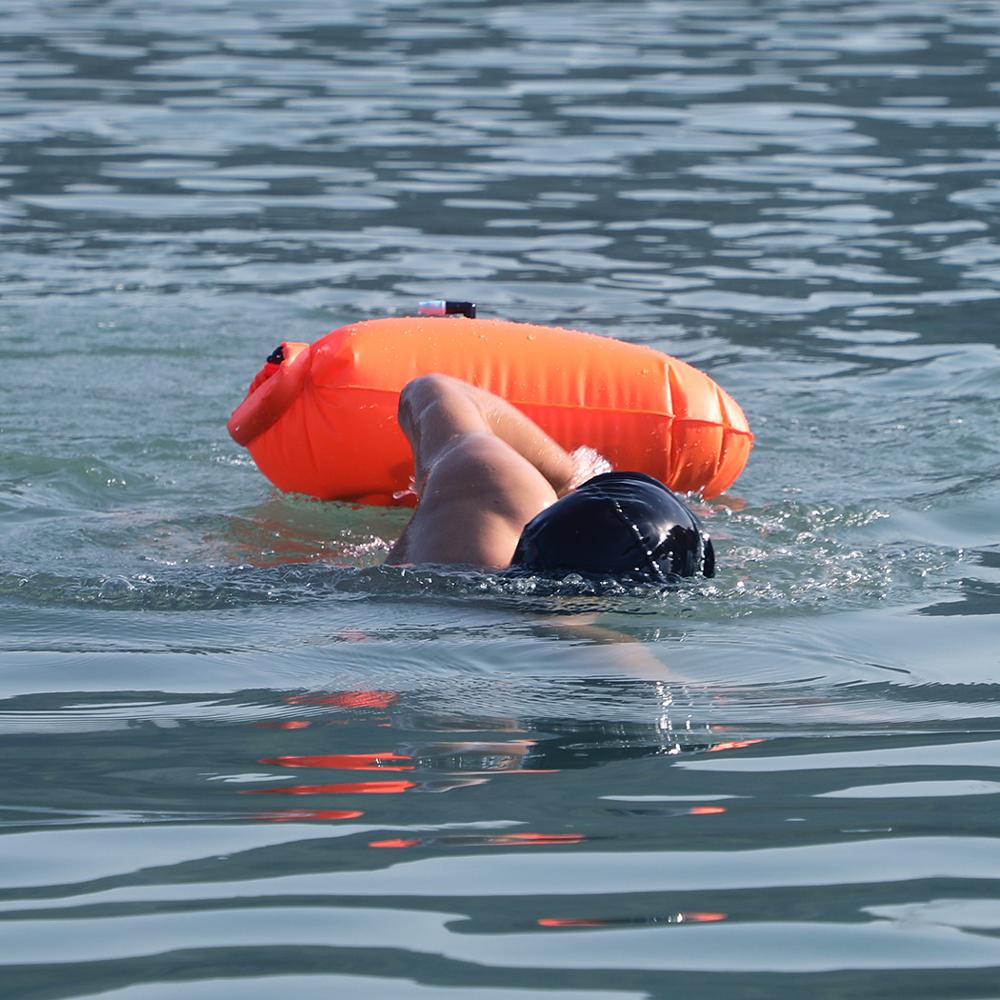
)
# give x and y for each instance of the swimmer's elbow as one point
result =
(426, 388)
(418, 396)
(433, 408)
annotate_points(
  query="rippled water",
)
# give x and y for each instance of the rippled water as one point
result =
(222, 719)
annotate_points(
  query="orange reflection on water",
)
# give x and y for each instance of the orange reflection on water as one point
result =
(490, 840)
(352, 635)
(351, 788)
(706, 810)
(516, 839)
(733, 745)
(683, 917)
(297, 815)
(344, 761)
(291, 724)
(346, 699)
(570, 922)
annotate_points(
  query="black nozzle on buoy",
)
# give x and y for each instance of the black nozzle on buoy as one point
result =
(447, 307)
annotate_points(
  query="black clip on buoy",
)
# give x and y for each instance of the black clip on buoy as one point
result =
(277, 355)
(444, 307)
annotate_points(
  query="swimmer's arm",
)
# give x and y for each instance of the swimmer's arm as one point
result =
(483, 470)
(477, 497)
(436, 409)
(634, 658)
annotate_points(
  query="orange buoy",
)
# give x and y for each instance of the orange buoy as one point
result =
(320, 419)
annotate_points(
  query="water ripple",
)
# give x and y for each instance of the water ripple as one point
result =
(240, 756)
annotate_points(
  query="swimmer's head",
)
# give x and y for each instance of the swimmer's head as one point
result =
(621, 524)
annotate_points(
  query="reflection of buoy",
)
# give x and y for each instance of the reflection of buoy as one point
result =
(320, 419)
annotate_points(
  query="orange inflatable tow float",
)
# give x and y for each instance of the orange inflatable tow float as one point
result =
(320, 419)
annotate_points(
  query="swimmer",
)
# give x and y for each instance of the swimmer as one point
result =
(496, 492)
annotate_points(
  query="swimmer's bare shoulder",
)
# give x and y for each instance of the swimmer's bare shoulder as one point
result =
(483, 470)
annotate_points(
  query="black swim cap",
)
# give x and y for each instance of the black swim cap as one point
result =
(621, 524)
